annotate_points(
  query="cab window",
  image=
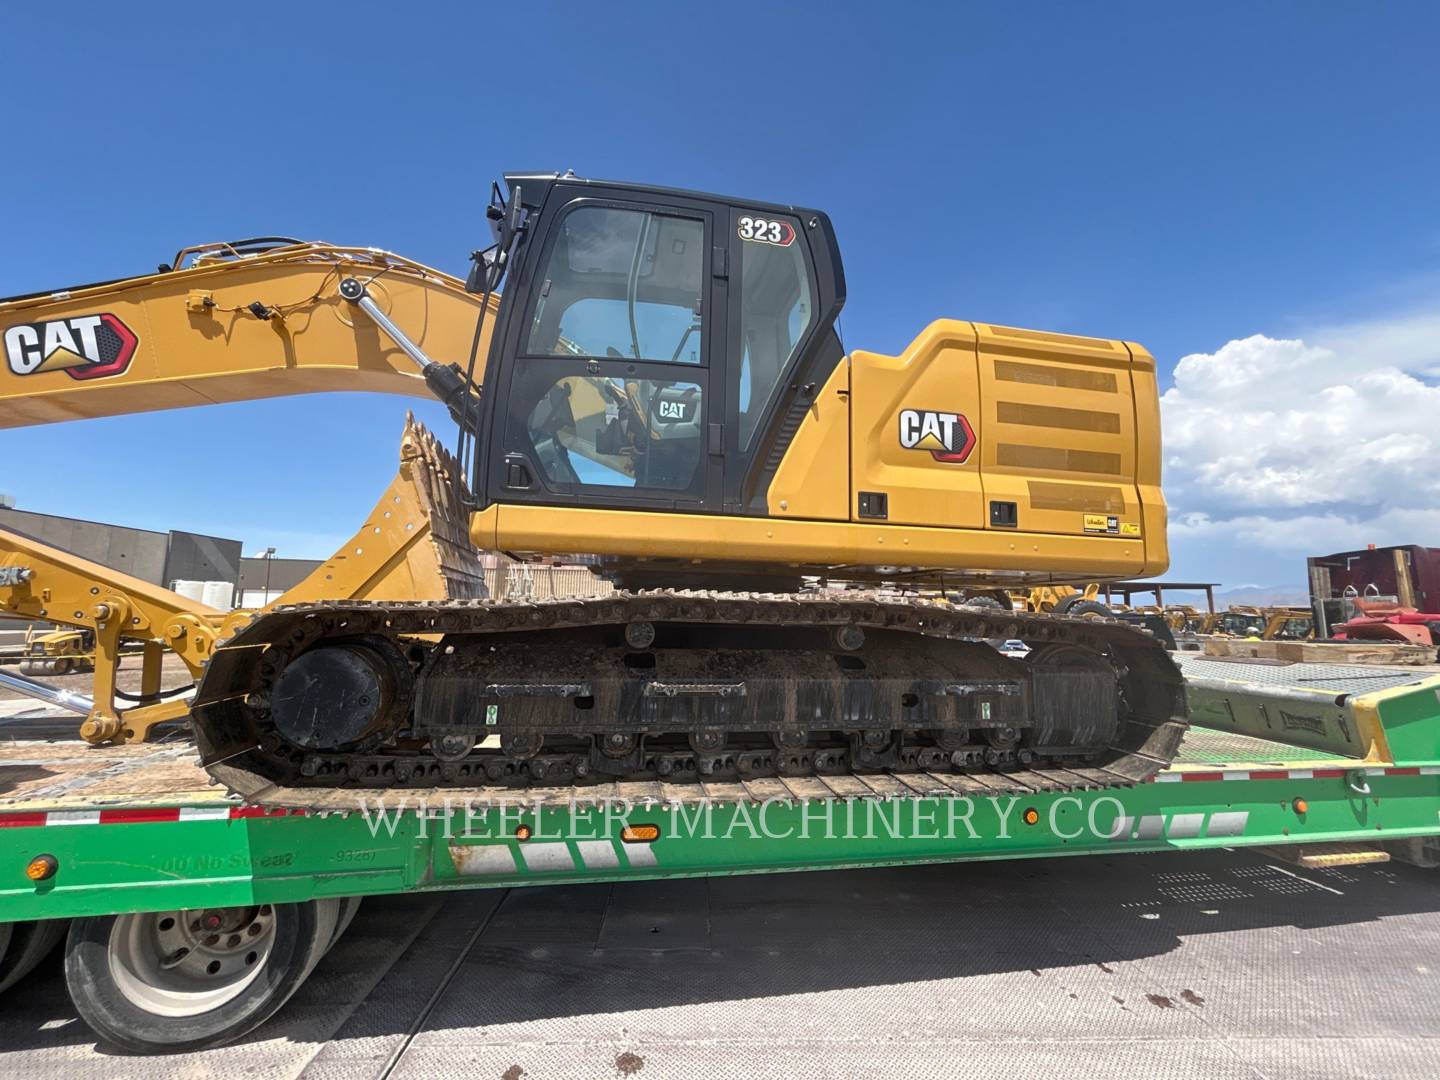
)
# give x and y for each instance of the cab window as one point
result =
(618, 432)
(777, 309)
(622, 284)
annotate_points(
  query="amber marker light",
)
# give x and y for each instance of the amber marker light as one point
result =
(1031, 816)
(640, 834)
(42, 868)
(522, 832)
(1300, 806)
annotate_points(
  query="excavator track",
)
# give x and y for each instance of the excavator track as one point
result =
(845, 693)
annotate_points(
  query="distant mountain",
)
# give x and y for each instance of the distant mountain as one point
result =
(1262, 595)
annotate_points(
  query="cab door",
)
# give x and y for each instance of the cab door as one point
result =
(611, 399)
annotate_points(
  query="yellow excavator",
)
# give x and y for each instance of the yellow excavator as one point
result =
(659, 386)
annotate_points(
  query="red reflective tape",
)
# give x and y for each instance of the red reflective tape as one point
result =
(16, 821)
(1270, 774)
(1328, 774)
(1190, 777)
(1404, 770)
(132, 817)
(246, 812)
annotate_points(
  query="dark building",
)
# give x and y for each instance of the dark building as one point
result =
(158, 557)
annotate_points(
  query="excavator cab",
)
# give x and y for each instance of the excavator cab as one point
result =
(651, 345)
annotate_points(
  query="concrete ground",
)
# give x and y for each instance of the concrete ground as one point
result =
(1210, 965)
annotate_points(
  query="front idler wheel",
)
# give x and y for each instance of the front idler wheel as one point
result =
(342, 694)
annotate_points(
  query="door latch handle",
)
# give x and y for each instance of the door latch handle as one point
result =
(517, 473)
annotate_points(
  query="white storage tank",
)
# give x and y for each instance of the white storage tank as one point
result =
(191, 590)
(218, 594)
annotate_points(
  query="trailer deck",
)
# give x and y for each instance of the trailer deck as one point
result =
(141, 827)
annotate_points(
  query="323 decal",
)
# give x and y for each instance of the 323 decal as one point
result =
(761, 230)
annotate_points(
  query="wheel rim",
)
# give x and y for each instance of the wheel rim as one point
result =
(183, 963)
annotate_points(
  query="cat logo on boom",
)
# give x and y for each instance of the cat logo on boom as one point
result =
(947, 435)
(82, 346)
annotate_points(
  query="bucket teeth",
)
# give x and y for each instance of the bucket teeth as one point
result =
(442, 492)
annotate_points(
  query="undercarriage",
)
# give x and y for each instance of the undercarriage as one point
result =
(682, 687)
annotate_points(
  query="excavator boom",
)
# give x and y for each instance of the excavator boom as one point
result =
(231, 327)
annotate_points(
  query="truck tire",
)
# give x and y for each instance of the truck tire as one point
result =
(344, 917)
(28, 943)
(175, 981)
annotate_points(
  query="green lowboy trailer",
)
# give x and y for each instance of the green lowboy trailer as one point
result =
(189, 919)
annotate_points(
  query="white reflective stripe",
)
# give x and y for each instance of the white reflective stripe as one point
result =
(204, 813)
(547, 858)
(1375, 772)
(598, 854)
(1302, 774)
(1151, 827)
(1121, 829)
(1168, 778)
(1430, 770)
(482, 859)
(1235, 774)
(73, 817)
(1228, 823)
(1185, 826)
(640, 854)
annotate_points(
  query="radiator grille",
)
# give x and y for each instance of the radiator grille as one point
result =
(1089, 500)
(1019, 456)
(1068, 378)
(1052, 416)
(1055, 339)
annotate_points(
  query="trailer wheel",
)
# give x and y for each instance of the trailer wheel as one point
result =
(344, 916)
(171, 981)
(25, 944)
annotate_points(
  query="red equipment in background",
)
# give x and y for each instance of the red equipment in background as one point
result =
(1379, 594)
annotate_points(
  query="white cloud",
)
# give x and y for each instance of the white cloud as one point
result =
(1294, 447)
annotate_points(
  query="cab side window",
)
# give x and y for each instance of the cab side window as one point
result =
(776, 311)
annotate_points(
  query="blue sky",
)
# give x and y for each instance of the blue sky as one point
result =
(1183, 176)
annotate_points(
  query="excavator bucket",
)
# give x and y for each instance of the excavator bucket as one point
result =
(415, 544)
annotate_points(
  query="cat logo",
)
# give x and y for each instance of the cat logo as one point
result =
(947, 435)
(82, 346)
(672, 410)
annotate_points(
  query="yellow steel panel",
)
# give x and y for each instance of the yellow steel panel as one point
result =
(1073, 429)
(1154, 516)
(980, 554)
(936, 372)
